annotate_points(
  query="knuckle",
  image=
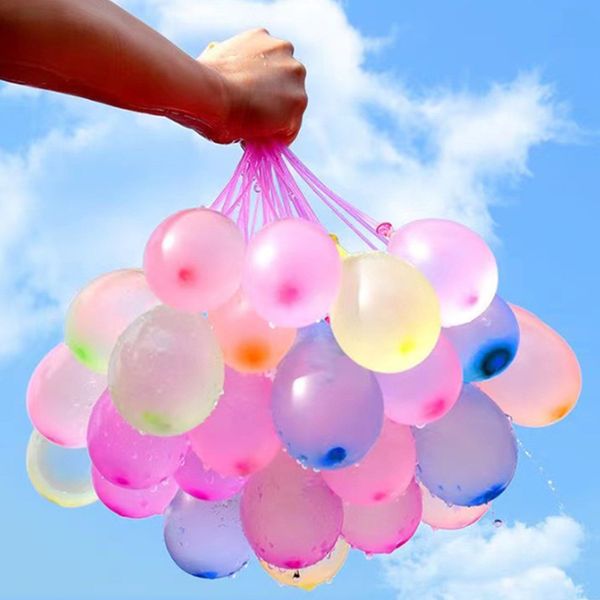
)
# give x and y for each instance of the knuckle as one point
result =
(287, 46)
(299, 70)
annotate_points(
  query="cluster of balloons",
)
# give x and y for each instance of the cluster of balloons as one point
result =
(286, 399)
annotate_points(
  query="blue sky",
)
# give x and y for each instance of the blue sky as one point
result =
(488, 112)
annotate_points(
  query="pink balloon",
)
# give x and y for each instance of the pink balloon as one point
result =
(440, 515)
(134, 504)
(292, 273)
(127, 457)
(457, 262)
(383, 474)
(381, 528)
(290, 517)
(249, 343)
(542, 384)
(60, 397)
(193, 260)
(426, 392)
(102, 311)
(205, 484)
(238, 438)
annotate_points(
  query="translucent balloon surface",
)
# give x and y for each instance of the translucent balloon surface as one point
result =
(488, 344)
(543, 383)
(205, 539)
(61, 475)
(381, 528)
(194, 259)
(469, 456)
(386, 316)
(440, 515)
(238, 438)
(102, 311)
(383, 474)
(312, 577)
(205, 484)
(456, 261)
(290, 517)
(127, 457)
(166, 373)
(292, 272)
(60, 397)
(327, 409)
(249, 343)
(426, 392)
(134, 504)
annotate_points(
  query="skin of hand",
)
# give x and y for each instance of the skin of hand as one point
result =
(264, 84)
(246, 88)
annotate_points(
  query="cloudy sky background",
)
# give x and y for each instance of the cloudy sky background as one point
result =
(480, 114)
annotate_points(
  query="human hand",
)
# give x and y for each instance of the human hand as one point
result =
(264, 88)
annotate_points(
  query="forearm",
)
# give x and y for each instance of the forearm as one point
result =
(94, 49)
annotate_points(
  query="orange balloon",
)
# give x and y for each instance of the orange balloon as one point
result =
(543, 383)
(440, 515)
(248, 342)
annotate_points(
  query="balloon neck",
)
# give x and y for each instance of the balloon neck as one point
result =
(270, 183)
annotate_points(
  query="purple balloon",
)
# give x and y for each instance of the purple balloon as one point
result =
(205, 484)
(327, 409)
(127, 457)
(205, 539)
(488, 344)
(469, 456)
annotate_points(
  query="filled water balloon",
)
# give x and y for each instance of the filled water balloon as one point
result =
(426, 392)
(205, 484)
(290, 517)
(238, 438)
(292, 272)
(386, 316)
(309, 578)
(194, 259)
(469, 456)
(61, 475)
(441, 515)
(382, 528)
(127, 457)
(102, 311)
(60, 397)
(131, 503)
(543, 383)
(249, 343)
(488, 344)
(205, 539)
(166, 372)
(383, 474)
(327, 409)
(458, 263)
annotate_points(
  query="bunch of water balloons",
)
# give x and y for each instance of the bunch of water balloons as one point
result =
(271, 394)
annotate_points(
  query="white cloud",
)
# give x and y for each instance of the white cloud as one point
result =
(82, 200)
(517, 562)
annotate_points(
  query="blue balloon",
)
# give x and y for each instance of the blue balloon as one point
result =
(469, 456)
(327, 410)
(488, 344)
(205, 539)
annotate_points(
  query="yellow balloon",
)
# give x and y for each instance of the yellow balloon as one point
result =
(386, 316)
(61, 475)
(341, 251)
(311, 577)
